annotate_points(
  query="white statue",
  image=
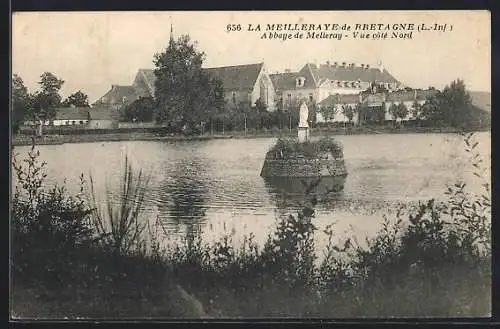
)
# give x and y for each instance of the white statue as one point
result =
(303, 116)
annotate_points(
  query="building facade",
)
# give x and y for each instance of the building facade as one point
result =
(241, 83)
(314, 84)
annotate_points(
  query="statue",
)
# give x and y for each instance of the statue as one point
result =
(303, 116)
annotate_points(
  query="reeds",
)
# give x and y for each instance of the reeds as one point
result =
(119, 227)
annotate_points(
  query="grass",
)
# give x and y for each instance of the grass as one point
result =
(70, 260)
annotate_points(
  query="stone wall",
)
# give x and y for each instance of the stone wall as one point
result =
(324, 165)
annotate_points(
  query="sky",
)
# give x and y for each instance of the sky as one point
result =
(92, 50)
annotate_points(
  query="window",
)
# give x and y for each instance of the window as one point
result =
(310, 97)
(249, 97)
(81, 122)
(234, 98)
(300, 81)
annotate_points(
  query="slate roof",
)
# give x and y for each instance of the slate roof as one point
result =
(401, 96)
(284, 81)
(116, 94)
(346, 73)
(234, 78)
(316, 75)
(72, 113)
(423, 94)
(340, 99)
(237, 78)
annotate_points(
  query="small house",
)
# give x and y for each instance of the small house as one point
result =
(71, 116)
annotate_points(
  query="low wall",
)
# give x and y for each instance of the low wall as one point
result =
(302, 167)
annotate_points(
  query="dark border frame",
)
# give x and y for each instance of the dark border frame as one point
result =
(150, 5)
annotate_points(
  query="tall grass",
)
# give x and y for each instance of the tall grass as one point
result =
(120, 226)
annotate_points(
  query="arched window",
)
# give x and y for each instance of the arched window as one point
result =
(234, 97)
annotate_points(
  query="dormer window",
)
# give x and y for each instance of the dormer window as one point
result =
(300, 81)
(339, 84)
(346, 84)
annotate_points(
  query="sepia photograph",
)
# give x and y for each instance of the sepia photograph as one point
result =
(250, 165)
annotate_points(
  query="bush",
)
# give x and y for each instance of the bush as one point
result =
(311, 149)
(47, 225)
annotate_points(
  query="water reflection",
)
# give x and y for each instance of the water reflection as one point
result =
(183, 196)
(291, 192)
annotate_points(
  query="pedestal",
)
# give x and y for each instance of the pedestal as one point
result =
(303, 134)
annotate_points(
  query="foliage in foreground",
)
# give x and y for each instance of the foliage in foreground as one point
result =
(434, 263)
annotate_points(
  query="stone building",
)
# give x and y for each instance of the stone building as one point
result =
(241, 83)
(317, 83)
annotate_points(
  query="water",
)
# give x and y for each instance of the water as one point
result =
(214, 186)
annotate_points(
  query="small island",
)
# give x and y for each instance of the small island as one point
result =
(292, 162)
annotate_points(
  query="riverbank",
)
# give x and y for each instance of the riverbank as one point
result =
(25, 140)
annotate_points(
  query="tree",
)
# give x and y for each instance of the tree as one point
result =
(348, 111)
(430, 110)
(47, 99)
(260, 106)
(328, 112)
(20, 101)
(398, 111)
(456, 104)
(78, 99)
(140, 110)
(185, 94)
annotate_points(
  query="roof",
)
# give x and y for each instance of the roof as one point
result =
(234, 78)
(284, 81)
(354, 73)
(340, 99)
(103, 113)
(239, 77)
(72, 113)
(117, 93)
(401, 96)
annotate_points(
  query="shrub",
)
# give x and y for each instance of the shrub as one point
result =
(47, 225)
(311, 149)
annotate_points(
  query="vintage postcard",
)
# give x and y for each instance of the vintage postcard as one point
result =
(259, 164)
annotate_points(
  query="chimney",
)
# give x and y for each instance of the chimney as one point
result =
(343, 64)
(328, 63)
(367, 66)
(362, 66)
(113, 87)
(353, 64)
(335, 64)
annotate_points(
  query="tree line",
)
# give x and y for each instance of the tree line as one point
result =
(41, 104)
(450, 107)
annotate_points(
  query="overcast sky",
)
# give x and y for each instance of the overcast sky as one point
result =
(93, 50)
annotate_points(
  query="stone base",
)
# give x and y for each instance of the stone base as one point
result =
(303, 134)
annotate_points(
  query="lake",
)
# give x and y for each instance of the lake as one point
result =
(214, 186)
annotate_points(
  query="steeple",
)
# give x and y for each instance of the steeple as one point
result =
(171, 34)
